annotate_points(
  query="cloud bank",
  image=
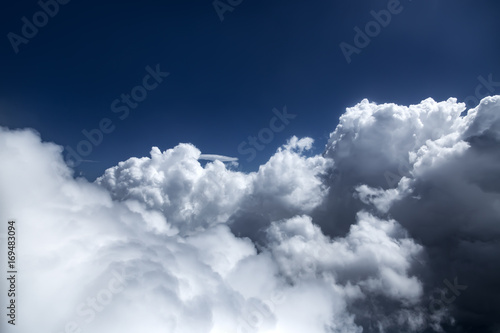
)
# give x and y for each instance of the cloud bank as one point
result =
(395, 227)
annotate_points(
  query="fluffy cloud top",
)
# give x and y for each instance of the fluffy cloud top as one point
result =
(394, 228)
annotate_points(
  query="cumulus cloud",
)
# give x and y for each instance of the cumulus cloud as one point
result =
(393, 228)
(436, 173)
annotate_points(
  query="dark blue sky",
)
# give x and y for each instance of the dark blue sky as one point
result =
(226, 77)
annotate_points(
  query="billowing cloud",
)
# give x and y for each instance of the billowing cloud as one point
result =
(436, 173)
(394, 228)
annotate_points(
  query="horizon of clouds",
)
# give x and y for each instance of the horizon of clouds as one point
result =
(365, 237)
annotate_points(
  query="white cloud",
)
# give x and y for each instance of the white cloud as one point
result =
(332, 246)
(213, 157)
